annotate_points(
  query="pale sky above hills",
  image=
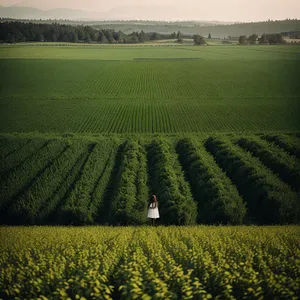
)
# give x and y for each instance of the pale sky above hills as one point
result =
(224, 10)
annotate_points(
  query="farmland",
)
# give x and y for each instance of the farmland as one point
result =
(104, 89)
(150, 263)
(89, 133)
(86, 180)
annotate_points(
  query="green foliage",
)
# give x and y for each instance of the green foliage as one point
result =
(83, 202)
(29, 207)
(252, 39)
(100, 180)
(179, 37)
(287, 168)
(14, 156)
(175, 200)
(269, 200)
(287, 143)
(129, 203)
(22, 177)
(198, 39)
(15, 32)
(242, 40)
(149, 263)
(218, 199)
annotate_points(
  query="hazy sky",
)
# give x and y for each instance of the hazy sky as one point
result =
(224, 10)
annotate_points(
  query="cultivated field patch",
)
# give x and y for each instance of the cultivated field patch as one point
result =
(108, 180)
(161, 263)
(105, 91)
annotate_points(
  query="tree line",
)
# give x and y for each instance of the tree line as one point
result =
(15, 32)
(272, 39)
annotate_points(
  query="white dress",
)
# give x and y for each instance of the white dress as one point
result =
(153, 213)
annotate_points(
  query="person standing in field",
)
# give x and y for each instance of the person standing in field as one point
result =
(153, 212)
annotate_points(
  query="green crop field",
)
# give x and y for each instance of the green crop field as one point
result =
(168, 90)
(150, 263)
(89, 132)
(228, 179)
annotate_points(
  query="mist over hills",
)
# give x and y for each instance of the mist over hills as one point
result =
(18, 12)
(154, 12)
(132, 17)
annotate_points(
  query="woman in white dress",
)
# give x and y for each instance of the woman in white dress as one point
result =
(153, 212)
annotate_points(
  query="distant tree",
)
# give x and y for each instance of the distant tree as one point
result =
(66, 38)
(54, 38)
(252, 39)
(154, 36)
(120, 40)
(173, 35)
(134, 39)
(75, 37)
(109, 36)
(209, 36)
(179, 37)
(275, 39)
(81, 32)
(11, 38)
(41, 37)
(102, 38)
(242, 40)
(88, 38)
(263, 39)
(198, 39)
(142, 37)
(116, 35)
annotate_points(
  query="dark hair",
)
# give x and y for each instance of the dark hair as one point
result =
(153, 199)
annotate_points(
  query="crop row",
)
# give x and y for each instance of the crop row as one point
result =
(196, 96)
(30, 205)
(110, 181)
(82, 203)
(286, 166)
(177, 205)
(269, 199)
(218, 199)
(23, 176)
(130, 199)
(149, 263)
(287, 143)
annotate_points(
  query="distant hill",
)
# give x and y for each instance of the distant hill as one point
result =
(17, 12)
(118, 13)
(202, 28)
(131, 17)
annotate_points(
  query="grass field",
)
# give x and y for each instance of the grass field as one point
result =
(193, 89)
(150, 263)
